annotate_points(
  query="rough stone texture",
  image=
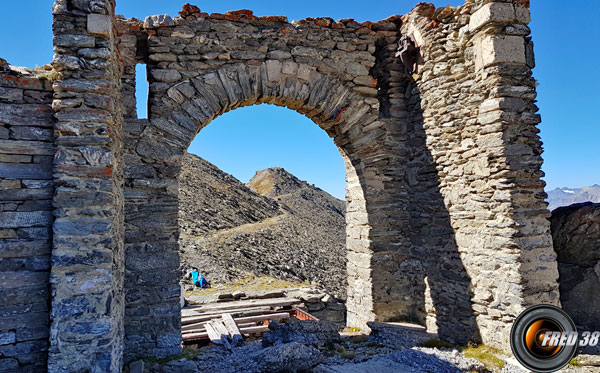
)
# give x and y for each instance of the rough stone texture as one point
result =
(26, 191)
(398, 361)
(443, 165)
(576, 237)
(476, 194)
(312, 333)
(87, 257)
(288, 357)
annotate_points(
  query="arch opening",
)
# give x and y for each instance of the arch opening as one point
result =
(177, 114)
(275, 231)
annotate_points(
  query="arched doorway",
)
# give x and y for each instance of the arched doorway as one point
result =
(153, 160)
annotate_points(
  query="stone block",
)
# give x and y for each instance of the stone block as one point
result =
(34, 233)
(168, 340)
(492, 12)
(99, 24)
(529, 55)
(74, 41)
(279, 54)
(491, 50)
(247, 55)
(26, 115)
(23, 249)
(167, 76)
(522, 14)
(82, 227)
(273, 70)
(304, 72)
(93, 53)
(158, 20)
(25, 171)
(136, 366)
(25, 219)
(11, 158)
(183, 32)
(18, 194)
(7, 338)
(11, 94)
(31, 133)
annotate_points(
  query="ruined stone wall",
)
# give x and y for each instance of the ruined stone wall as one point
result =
(477, 201)
(200, 67)
(443, 169)
(87, 256)
(26, 189)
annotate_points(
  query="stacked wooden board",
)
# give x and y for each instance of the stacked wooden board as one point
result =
(226, 323)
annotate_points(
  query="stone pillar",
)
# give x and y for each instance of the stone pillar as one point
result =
(476, 198)
(87, 255)
(520, 234)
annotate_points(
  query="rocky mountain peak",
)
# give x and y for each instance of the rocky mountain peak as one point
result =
(275, 181)
(276, 225)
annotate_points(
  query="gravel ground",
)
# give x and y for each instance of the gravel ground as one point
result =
(387, 349)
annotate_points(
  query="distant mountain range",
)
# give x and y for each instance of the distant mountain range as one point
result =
(567, 196)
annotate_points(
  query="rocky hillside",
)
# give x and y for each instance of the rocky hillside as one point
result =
(566, 196)
(277, 225)
(212, 200)
(576, 238)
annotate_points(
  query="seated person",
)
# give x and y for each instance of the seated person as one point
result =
(198, 279)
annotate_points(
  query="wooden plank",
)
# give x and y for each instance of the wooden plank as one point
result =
(230, 325)
(254, 329)
(220, 327)
(185, 312)
(222, 330)
(234, 332)
(192, 331)
(185, 320)
(213, 307)
(303, 315)
(195, 313)
(206, 317)
(239, 320)
(213, 334)
(195, 326)
(194, 336)
(204, 335)
(273, 316)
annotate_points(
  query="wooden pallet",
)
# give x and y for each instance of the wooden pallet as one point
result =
(227, 323)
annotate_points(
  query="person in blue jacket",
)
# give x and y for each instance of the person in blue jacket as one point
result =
(198, 279)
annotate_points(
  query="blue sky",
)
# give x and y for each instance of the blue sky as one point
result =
(567, 48)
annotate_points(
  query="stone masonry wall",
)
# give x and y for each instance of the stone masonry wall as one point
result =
(26, 189)
(443, 170)
(87, 256)
(480, 201)
(200, 67)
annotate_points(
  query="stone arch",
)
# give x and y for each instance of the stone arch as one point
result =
(179, 109)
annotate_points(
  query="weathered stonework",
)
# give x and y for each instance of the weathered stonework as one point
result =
(442, 163)
(87, 254)
(26, 190)
(576, 236)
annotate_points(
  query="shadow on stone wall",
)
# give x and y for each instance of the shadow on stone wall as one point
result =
(443, 287)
